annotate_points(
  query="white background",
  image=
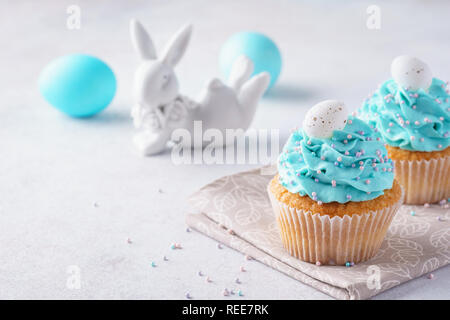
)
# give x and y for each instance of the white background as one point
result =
(54, 168)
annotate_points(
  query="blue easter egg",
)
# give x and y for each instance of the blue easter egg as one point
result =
(257, 47)
(79, 85)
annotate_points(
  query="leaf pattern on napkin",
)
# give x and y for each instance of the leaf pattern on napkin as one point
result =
(406, 251)
(430, 265)
(414, 230)
(440, 238)
(199, 202)
(247, 216)
(414, 245)
(224, 201)
(398, 269)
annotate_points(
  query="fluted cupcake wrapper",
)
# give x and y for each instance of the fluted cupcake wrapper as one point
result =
(424, 181)
(312, 237)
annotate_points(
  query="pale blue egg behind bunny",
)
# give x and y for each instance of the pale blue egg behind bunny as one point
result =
(259, 48)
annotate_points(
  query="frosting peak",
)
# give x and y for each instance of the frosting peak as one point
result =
(412, 120)
(352, 165)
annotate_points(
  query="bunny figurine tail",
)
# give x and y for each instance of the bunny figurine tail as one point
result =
(251, 92)
(240, 72)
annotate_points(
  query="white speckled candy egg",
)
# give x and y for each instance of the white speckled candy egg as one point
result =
(411, 73)
(325, 117)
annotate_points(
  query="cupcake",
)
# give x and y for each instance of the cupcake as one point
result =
(411, 112)
(334, 195)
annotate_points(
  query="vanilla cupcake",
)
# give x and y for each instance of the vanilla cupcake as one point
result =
(411, 112)
(335, 195)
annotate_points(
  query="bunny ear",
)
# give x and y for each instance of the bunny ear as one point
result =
(142, 42)
(177, 46)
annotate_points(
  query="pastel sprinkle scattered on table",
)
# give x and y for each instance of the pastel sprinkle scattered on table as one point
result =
(175, 245)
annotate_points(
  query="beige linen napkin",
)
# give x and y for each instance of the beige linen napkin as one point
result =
(235, 210)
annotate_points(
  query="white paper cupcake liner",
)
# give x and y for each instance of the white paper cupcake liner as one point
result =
(424, 181)
(312, 237)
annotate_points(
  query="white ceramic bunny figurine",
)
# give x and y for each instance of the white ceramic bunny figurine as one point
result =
(159, 109)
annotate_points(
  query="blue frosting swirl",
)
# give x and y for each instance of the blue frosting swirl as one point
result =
(412, 120)
(352, 165)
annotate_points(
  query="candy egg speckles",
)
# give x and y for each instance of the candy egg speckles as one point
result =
(79, 85)
(325, 117)
(411, 73)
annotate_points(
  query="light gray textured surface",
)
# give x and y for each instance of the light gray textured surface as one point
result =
(53, 168)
